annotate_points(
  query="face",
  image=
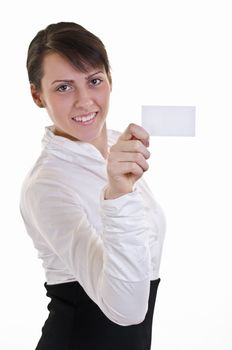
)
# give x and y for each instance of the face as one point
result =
(76, 102)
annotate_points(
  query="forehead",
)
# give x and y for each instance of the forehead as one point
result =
(55, 64)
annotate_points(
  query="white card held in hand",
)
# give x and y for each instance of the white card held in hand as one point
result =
(169, 120)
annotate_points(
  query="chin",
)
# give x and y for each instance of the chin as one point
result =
(89, 134)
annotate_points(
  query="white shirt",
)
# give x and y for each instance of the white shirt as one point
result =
(111, 247)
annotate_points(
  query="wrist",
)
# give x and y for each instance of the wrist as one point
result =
(111, 194)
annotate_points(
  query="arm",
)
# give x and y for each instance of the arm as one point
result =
(112, 265)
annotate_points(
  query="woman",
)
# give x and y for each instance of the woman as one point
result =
(91, 216)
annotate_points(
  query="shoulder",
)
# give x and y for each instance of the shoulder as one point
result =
(46, 179)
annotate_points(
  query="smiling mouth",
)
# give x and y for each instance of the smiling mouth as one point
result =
(85, 119)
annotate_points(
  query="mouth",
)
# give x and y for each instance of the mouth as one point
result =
(85, 119)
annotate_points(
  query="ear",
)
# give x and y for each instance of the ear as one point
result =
(37, 96)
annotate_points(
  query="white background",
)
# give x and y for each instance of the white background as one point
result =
(163, 52)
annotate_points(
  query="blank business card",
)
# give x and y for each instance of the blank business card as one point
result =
(169, 120)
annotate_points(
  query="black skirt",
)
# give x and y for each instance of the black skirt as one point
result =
(75, 322)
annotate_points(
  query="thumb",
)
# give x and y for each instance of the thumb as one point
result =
(135, 132)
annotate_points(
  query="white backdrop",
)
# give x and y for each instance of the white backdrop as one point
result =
(162, 52)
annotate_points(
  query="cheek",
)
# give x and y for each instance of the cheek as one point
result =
(56, 105)
(104, 98)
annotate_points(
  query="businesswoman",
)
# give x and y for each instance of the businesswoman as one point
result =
(91, 215)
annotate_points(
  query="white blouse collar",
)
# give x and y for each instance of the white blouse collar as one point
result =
(52, 141)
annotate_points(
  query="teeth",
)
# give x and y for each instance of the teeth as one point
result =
(85, 118)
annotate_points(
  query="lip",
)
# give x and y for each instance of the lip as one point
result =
(88, 122)
(84, 114)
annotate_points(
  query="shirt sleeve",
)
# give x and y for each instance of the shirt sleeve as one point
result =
(156, 227)
(113, 266)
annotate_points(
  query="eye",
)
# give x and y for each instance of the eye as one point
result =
(64, 88)
(95, 81)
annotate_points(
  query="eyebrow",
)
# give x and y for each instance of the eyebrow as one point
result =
(91, 75)
(72, 81)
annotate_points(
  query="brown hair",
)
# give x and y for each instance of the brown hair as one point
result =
(79, 46)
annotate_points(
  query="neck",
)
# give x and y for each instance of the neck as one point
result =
(101, 142)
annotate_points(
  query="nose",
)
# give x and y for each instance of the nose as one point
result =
(83, 99)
